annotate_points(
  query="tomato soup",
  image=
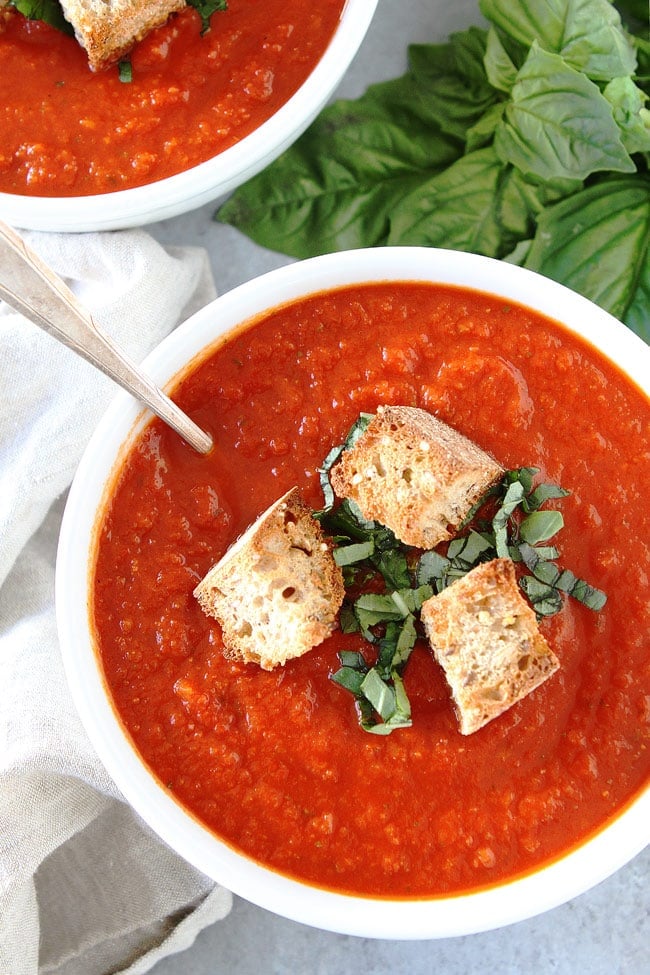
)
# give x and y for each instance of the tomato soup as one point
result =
(65, 131)
(275, 762)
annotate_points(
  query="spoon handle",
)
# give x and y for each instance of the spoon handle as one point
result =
(32, 288)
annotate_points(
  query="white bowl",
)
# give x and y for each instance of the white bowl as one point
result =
(521, 898)
(214, 178)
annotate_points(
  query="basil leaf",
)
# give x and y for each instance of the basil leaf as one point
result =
(542, 493)
(636, 315)
(522, 475)
(374, 170)
(558, 124)
(501, 71)
(642, 46)
(379, 693)
(348, 521)
(432, 569)
(545, 600)
(388, 648)
(400, 601)
(587, 33)
(405, 642)
(452, 80)
(520, 201)
(482, 132)
(597, 242)
(349, 678)
(402, 715)
(393, 566)
(469, 548)
(540, 526)
(314, 199)
(630, 113)
(590, 597)
(549, 575)
(395, 646)
(356, 430)
(371, 609)
(125, 71)
(354, 659)
(548, 552)
(357, 552)
(389, 700)
(347, 620)
(385, 727)
(456, 209)
(512, 498)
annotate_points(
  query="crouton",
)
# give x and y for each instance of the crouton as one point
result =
(414, 474)
(277, 591)
(485, 636)
(108, 29)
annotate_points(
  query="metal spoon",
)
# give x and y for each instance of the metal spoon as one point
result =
(32, 288)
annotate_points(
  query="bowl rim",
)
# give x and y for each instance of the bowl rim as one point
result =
(403, 919)
(216, 176)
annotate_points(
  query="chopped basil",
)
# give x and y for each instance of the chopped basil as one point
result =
(351, 678)
(540, 526)
(356, 552)
(382, 701)
(509, 521)
(517, 528)
(545, 600)
(379, 693)
(125, 71)
(357, 428)
(547, 574)
(544, 492)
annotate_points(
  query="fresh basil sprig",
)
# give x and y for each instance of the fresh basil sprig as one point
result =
(528, 141)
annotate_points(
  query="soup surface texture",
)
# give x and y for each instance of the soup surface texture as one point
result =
(275, 762)
(65, 131)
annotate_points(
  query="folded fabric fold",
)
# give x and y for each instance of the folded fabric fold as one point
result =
(85, 887)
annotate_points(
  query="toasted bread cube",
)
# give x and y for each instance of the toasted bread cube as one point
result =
(108, 29)
(277, 591)
(485, 636)
(414, 474)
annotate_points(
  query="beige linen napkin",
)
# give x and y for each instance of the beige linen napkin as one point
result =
(85, 887)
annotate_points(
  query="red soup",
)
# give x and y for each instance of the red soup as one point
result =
(275, 762)
(65, 131)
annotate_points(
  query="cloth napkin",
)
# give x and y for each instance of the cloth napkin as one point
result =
(85, 886)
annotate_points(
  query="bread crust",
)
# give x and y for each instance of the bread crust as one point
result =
(485, 636)
(414, 474)
(277, 591)
(108, 29)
